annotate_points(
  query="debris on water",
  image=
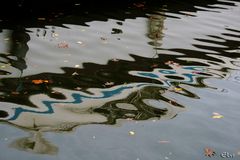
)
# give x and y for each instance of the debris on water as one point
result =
(154, 65)
(41, 19)
(94, 137)
(78, 88)
(77, 66)
(166, 157)
(15, 93)
(65, 61)
(115, 60)
(217, 115)
(173, 102)
(209, 152)
(54, 35)
(63, 45)
(40, 81)
(77, 4)
(103, 38)
(172, 63)
(238, 152)
(163, 141)
(175, 89)
(139, 5)
(75, 74)
(108, 84)
(6, 39)
(131, 133)
(79, 42)
(161, 91)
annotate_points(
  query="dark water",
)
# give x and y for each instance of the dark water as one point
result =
(142, 81)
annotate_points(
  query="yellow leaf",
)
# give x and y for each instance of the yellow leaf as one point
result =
(131, 133)
(217, 116)
(178, 89)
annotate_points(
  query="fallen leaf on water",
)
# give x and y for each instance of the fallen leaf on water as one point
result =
(115, 60)
(77, 66)
(103, 39)
(55, 35)
(78, 88)
(238, 152)
(41, 19)
(6, 39)
(138, 5)
(108, 83)
(173, 103)
(75, 74)
(154, 65)
(40, 81)
(163, 141)
(15, 93)
(217, 115)
(63, 45)
(178, 89)
(131, 133)
(209, 152)
(79, 42)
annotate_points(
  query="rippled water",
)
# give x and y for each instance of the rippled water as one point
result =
(142, 81)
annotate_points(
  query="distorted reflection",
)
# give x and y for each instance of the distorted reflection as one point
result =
(133, 87)
(35, 143)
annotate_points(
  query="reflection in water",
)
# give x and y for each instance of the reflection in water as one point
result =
(35, 143)
(107, 93)
(156, 26)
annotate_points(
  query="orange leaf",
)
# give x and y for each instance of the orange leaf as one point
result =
(39, 81)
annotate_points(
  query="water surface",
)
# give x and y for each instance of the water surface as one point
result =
(138, 81)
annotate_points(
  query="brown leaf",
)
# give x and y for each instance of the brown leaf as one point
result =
(63, 45)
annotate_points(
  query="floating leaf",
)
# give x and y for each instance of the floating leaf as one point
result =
(15, 93)
(54, 35)
(217, 115)
(40, 81)
(115, 60)
(77, 66)
(103, 39)
(79, 42)
(154, 65)
(163, 141)
(138, 5)
(131, 133)
(63, 45)
(173, 103)
(75, 74)
(41, 19)
(78, 88)
(178, 89)
(108, 83)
